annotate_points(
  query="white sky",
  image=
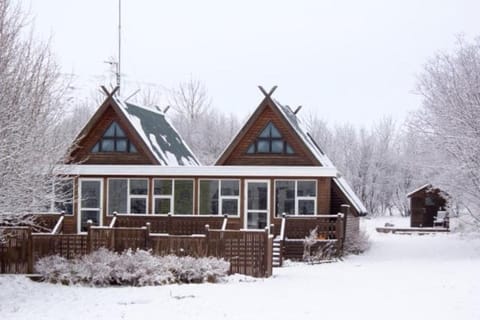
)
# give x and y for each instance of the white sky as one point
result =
(347, 61)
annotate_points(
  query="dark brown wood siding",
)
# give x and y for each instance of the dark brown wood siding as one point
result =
(239, 156)
(337, 199)
(424, 211)
(82, 152)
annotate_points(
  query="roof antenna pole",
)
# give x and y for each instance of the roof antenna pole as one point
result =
(119, 44)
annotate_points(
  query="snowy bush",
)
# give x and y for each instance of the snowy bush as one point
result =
(315, 250)
(356, 243)
(135, 268)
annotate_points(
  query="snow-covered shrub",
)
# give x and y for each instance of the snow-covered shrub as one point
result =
(132, 267)
(315, 250)
(356, 243)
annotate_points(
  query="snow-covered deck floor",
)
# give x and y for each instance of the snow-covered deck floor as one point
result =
(401, 277)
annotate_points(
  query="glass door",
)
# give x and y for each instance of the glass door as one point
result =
(90, 203)
(257, 204)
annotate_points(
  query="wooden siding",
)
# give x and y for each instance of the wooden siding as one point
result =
(422, 215)
(352, 227)
(82, 154)
(238, 150)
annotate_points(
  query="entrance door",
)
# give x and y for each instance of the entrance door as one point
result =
(257, 204)
(90, 203)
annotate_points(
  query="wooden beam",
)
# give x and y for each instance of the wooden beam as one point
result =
(267, 94)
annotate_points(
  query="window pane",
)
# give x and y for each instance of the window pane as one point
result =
(90, 194)
(138, 205)
(117, 195)
(96, 147)
(183, 197)
(306, 207)
(162, 187)
(121, 145)
(257, 196)
(251, 149)
(277, 146)
(118, 131)
(86, 215)
(285, 197)
(110, 131)
(132, 148)
(209, 197)
(162, 206)
(266, 132)
(230, 187)
(107, 145)
(230, 207)
(274, 132)
(263, 145)
(306, 189)
(139, 186)
(256, 220)
(289, 149)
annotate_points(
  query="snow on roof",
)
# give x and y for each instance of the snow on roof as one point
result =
(428, 185)
(302, 132)
(351, 195)
(159, 135)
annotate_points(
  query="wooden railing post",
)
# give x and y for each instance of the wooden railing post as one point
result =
(267, 255)
(59, 224)
(207, 239)
(345, 210)
(114, 219)
(147, 236)
(30, 251)
(89, 236)
(225, 221)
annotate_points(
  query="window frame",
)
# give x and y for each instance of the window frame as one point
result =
(269, 140)
(220, 197)
(297, 198)
(129, 196)
(172, 197)
(130, 147)
(81, 208)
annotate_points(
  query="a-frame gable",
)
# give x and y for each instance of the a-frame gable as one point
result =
(238, 153)
(84, 148)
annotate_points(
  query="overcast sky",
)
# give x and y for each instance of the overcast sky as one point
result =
(347, 61)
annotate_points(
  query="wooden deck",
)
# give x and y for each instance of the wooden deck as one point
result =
(407, 230)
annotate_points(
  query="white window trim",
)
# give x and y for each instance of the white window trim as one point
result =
(220, 198)
(247, 181)
(297, 198)
(80, 208)
(129, 196)
(172, 197)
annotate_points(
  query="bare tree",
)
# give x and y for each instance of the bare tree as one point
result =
(30, 100)
(450, 118)
(190, 100)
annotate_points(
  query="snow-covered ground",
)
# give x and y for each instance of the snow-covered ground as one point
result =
(400, 277)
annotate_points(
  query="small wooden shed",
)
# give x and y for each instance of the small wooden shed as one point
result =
(425, 204)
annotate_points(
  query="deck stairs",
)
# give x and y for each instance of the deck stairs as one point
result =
(277, 253)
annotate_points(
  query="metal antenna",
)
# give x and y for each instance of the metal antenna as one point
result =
(119, 44)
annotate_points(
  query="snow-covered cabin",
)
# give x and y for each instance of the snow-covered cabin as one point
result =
(428, 205)
(129, 159)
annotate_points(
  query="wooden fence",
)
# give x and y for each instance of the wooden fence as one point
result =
(249, 252)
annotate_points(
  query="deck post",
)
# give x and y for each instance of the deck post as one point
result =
(207, 240)
(345, 210)
(147, 236)
(89, 236)
(30, 251)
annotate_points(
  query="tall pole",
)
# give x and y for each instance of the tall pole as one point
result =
(119, 44)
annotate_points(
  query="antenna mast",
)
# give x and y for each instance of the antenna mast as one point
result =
(119, 44)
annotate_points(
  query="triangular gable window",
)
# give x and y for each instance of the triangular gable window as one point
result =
(114, 140)
(270, 141)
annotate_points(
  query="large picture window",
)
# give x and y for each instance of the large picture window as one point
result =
(219, 197)
(295, 197)
(173, 196)
(127, 195)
